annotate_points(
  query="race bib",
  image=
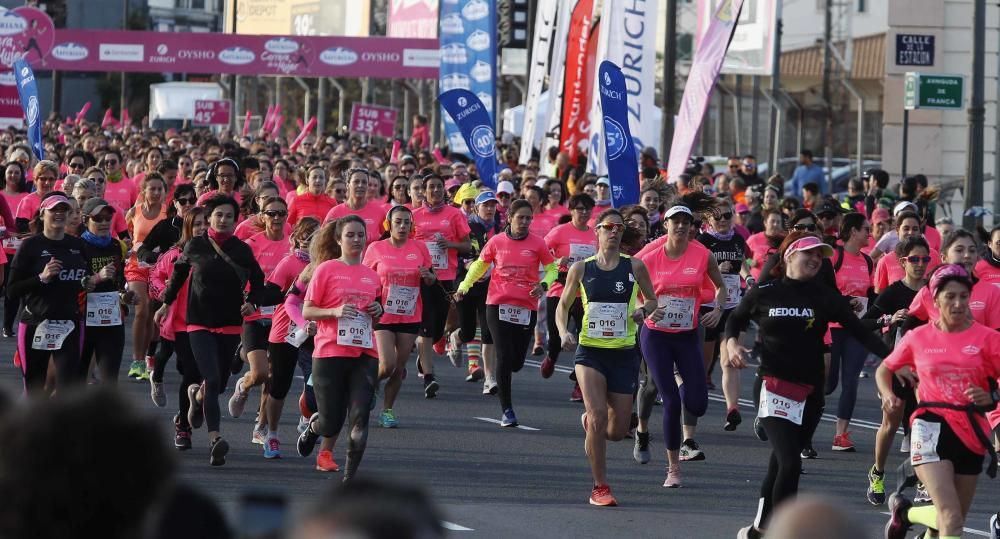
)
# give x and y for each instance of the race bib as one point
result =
(678, 312)
(864, 306)
(268, 310)
(580, 251)
(924, 437)
(12, 243)
(355, 331)
(50, 334)
(733, 291)
(515, 315)
(402, 300)
(296, 335)
(103, 309)
(774, 405)
(439, 256)
(607, 320)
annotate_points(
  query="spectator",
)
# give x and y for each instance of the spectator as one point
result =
(808, 172)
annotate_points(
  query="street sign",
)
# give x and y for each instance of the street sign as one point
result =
(932, 91)
(914, 50)
(373, 120)
(211, 112)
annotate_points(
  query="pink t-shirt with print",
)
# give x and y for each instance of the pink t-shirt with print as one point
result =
(333, 284)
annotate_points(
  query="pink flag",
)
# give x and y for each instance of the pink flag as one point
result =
(396, 146)
(300, 123)
(705, 69)
(267, 119)
(279, 120)
(83, 112)
(109, 119)
(126, 121)
(302, 136)
(246, 124)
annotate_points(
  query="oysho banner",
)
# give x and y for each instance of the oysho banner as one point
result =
(476, 128)
(468, 57)
(622, 163)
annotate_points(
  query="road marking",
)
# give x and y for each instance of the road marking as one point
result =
(455, 527)
(497, 421)
(559, 368)
(973, 531)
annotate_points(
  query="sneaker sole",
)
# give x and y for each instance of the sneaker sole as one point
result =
(195, 419)
(642, 457)
(331, 470)
(217, 456)
(430, 391)
(613, 503)
(696, 458)
(844, 449)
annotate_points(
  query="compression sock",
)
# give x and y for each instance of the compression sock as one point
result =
(925, 515)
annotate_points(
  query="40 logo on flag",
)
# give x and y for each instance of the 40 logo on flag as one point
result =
(483, 141)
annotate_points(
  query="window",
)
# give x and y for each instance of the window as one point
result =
(862, 6)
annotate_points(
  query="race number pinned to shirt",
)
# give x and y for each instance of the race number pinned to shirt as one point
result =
(103, 309)
(12, 243)
(924, 438)
(606, 320)
(782, 407)
(678, 313)
(268, 310)
(439, 256)
(401, 300)
(50, 334)
(296, 335)
(733, 291)
(515, 315)
(355, 331)
(580, 251)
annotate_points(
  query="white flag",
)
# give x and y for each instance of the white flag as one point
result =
(557, 72)
(544, 23)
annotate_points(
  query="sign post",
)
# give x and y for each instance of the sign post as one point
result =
(929, 91)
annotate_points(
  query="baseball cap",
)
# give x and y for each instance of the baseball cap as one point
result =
(486, 196)
(603, 180)
(904, 206)
(741, 208)
(51, 202)
(828, 207)
(505, 187)
(94, 206)
(806, 243)
(674, 210)
(451, 184)
(880, 215)
(465, 192)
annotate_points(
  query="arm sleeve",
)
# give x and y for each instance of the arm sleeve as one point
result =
(293, 306)
(739, 319)
(551, 274)
(182, 268)
(476, 270)
(841, 311)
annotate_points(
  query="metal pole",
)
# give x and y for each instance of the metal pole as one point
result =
(906, 140)
(977, 111)
(827, 96)
(720, 104)
(773, 129)
(306, 107)
(321, 106)
(669, 79)
(341, 102)
(123, 90)
(738, 100)
(754, 120)
(56, 91)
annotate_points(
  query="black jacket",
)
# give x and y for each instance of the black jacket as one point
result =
(164, 235)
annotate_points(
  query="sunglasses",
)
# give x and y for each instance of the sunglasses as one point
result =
(801, 228)
(611, 227)
(186, 201)
(726, 216)
(914, 259)
(276, 213)
(110, 163)
(106, 219)
(77, 165)
(580, 208)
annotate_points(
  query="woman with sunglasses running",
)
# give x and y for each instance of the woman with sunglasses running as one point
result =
(956, 362)
(403, 265)
(252, 223)
(793, 311)
(513, 295)
(888, 269)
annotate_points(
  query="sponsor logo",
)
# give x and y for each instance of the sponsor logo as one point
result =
(619, 287)
(118, 52)
(795, 312)
(478, 40)
(162, 49)
(527, 253)
(70, 52)
(970, 350)
(11, 24)
(411, 256)
(421, 57)
(614, 138)
(475, 10)
(161, 55)
(191, 54)
(32, 112)
(977, 305)
(463, 102)
(237, 56)
(484, 143)
(935, 350)
(281, 45)
(690, 271)
(338, 56)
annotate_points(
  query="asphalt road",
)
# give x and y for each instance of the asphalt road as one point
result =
(535, 482)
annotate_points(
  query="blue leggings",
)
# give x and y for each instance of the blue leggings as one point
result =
(847, 358)
(664, 353)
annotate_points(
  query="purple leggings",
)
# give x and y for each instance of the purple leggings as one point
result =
(665, 352)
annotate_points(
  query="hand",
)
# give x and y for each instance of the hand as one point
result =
(426, 273)
(726, 266)
(979, 397)
(374, 309)
(51, 270)
(657, 315)
(311, 328)
(907, 377)
(711, 318)
(639, 315)
(569, 341)
(891, 403)
(899, 316)
(345, 311)
(107, 273)
(737, 353)
(538, 291)
(246, 309)
(160, 314)
(459, 295)
(441, 242)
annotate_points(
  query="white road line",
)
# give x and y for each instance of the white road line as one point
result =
(559, 368)
(455, 527)
(973, 531)
(497, 421)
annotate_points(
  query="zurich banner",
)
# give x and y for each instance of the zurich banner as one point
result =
(472, 119)
(619, 149)
(468, 30)
(28, 91)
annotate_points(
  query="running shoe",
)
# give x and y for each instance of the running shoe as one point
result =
(601, 496)
(307, 440)
(577, 395)
(995, 526)
(475, 375)
(430, 387)
(259, 435)
(537, 350)
(641, 452)
(548, 367)
(182, 440)
(238, 402)
(439, 347)
(325, 462)
(898, 523)
(272, 448)
(156, 393)
(758, 430)
(748, 532)
(904, 446)
(490, 386)
(690, 451)
(809, 453)
(455, 349)
(8, 333)
(195, 414)
(842, 442)
(388, 419)
(135, 369)
(876, 487)
(508, 419)
(733, 419)
(303, 424)
(922, 496)
(217, 454)
(673, 478)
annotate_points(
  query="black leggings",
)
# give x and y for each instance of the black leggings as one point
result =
(105, 344)
(646, 393)
(10, 305)
(35, 363)
(188, 369)
(213, 352)
(434, 314)
(575, 317)
(345, 385)
(283, 358)
(512, 342)
(164, 350)
(472, 312)
(787, 441)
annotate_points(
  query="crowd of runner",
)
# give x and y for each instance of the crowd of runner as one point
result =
(245, 259)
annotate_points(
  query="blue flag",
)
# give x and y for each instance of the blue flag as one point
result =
(620, 151)
(473, 121)
(28, 91)
(468, 38)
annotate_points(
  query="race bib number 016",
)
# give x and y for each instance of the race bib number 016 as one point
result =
(606, 320)
(678, 313)
(515, 315)
(402, 300)
(50, 334)
(103, 309)
(924, 441)
(355, 331)
(774, 405)
(439, 256)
